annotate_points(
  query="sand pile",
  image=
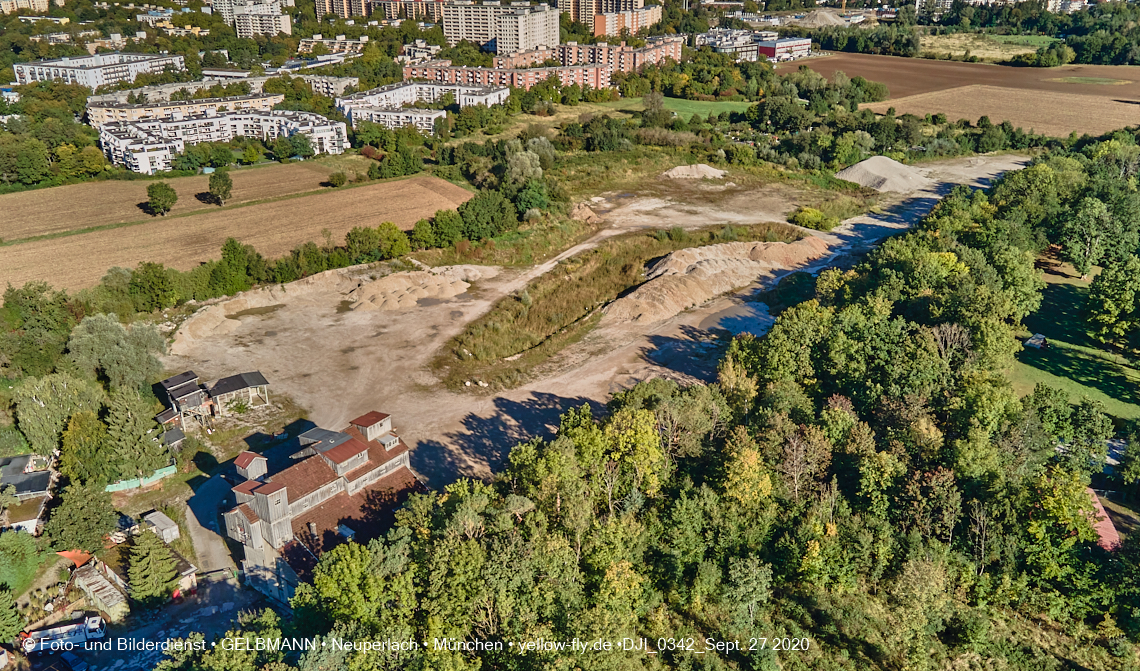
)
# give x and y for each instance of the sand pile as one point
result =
(582, 212)
(884, 174)
(399, 291)
(692, 276)
(698, 171)
(819, 19)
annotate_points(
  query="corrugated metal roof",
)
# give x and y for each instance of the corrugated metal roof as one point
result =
(228, 385)
(370, 419)
(246, 487)
(322, 440)
(246, 458)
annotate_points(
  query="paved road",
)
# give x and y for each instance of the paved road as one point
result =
(203, 523)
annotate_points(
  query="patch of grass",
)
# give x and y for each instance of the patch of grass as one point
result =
(520, 332)
(529, 245)
(1074, 362)
(1035, 41)
(1126, 519)
(1091, 80)
(684, 108)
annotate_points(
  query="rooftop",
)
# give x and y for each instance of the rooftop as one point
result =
(233, 383)
(304, 477)
(246, 458)
(173, 103)
(246, 487)
(368, 513)
(371, 419)
(250, 515)
(179, 380)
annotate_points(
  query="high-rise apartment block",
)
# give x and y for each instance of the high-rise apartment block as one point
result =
(587, 11)
(11, 6)
(417, 10)
(261, 18)
(345, 9)
(616, 23)
(501, 27)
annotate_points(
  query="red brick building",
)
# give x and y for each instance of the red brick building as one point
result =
(594, 76)
(619, 57)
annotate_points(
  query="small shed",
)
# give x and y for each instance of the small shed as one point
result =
(1038, 341)
(246, 388)
(166, 528)
(101, 592)
(251, 465)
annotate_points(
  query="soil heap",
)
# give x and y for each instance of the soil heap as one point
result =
(399, 291)
(698, 171)
(689, 277)
(819, 19)
(884, 174)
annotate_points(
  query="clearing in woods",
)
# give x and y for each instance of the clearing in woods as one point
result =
(985, 47)
(1054, 114)
(60, 209)
(274, 228)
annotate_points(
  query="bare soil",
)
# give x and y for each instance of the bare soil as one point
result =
(911, 76)
(79, 206)
(274, 228)
(342, 364)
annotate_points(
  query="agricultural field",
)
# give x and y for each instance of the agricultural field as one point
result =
(1048, 112)
(912, 76)
(274, 228)
(81, 206)
(986, 47)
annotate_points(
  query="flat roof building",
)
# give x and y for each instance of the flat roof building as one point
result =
(504, 28)
(386, 105)
(98, 70)
(100, 113)
(593, 76)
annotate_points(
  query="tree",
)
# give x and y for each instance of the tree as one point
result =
(1092, 427)
(251, 155)
(221, 186)
(82, 520)
(301, 145)
(43, 407)
(486, 215)
(85, 454)
(151, 287)
(635, 443)
(1112, 300)
(132, 432)
(282, 148)
(11, 622)
(393, 241)
(423, 235)
(806, 456)
(448, 227)
(749, 586)
(1085, 234)
(338, 179)
(19, 558)
(362, 244)
(161, 197)
(152, 571)
(126, 358)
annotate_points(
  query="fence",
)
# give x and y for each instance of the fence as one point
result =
(124, 485)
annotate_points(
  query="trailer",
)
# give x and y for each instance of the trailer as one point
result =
(64, 637)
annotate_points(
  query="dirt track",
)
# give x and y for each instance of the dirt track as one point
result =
(340, 365)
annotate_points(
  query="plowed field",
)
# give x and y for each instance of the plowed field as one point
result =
(274, 228)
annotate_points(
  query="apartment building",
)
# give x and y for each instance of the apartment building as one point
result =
(100, 113)
(633, 21)
(97, 70)
(417, 52)
(743, 45)
(417, 10)
(149, 146)
(12, 6)
(619, 57)
(501, 27)
(321, 84)
(328, 496)
(594, 76)
(785, 49)
(155, 16)
(585, 11)
(261, 18)
(345, 9)
(386, 105)
(335, 45)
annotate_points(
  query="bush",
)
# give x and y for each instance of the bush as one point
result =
(12, 442)
(338, 179)
(809, 217)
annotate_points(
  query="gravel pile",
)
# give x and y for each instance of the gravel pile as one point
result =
(884, 174)
(820, 19)
(698, 171)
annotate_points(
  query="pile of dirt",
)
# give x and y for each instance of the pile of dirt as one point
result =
(392, 292)
(819, 19)
(582, 212)
(689, 277)
(400, 291)
(698, 171)
(884, 174)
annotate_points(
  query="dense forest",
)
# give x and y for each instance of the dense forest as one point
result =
(861, 484)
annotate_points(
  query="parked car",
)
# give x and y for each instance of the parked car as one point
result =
(73, 662)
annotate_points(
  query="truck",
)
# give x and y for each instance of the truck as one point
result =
(64, 636)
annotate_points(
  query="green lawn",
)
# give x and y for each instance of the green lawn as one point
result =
(1074, 361)
(1036, 41)
(683, 108)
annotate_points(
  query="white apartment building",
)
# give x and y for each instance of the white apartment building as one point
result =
(385, 105)
(97, 70)
(584, 11)
(149, 146)
(101, 113)
(338, 44)
(345, 9)
(501, 27)
(321, 84)
(10, 6)
(261, 18)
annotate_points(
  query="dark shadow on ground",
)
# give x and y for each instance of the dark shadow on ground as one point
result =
(694, 352)
(1084, 369)
(1062, 315)
(488, 440)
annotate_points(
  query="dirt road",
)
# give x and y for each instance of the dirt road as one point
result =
(343, 364)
